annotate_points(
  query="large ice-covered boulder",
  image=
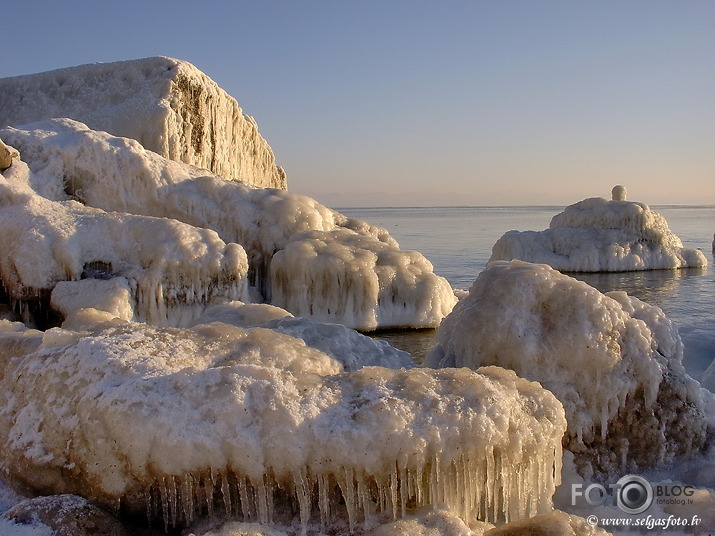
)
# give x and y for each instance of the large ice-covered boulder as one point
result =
(167, 105)
(614, 361)
(302, 255)
(177, 423)
(596, 235)
(153, 269)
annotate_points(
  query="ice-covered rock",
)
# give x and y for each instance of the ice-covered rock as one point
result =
(350, 348)
(6, 156)
(388, 287)
(167, 105)
(595, 235)
(67, 515)
(167, 268)
(178, 423)
(612, 360)
(113, 296)
(555, 523)
(326, 265)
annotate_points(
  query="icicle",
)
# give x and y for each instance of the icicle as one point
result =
(264, 511)
(490, 484)
(246, 503)
(365, 500)
(187, 498)
(394, 483)
(173, 501)
(209, 488)
(303, 495)
(148, 503)
(347, 488)
(225, 492)
(164, 503)
(323, 499)
(404, 490)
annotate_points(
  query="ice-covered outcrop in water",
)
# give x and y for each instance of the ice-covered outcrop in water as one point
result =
(302, 255)
(177, 423)
(595, 235)
(151, 269)
(612, 360)
(167, 105)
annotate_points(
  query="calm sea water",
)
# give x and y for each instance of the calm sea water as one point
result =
(458, 242)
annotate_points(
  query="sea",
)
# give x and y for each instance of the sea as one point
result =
(458, 241)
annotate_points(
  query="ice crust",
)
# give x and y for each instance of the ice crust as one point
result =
(166, 420)
(167, 105)
(595, 235)
(302, 255)
(614, 361)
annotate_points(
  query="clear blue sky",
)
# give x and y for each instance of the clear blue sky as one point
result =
(431, 103)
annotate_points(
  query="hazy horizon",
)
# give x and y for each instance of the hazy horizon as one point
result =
(418, 104)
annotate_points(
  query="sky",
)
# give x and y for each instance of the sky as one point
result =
(414, 103)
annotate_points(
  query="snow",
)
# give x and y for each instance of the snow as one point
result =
(156, 416)
(167, 105)
(595, 235)
(302, 255)
(611, 359)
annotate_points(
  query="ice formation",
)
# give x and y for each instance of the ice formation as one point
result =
(6, 156)
(167, 105)
(595, 235)
(176, 423)
(64, 515)
(165, 268)
(396, 288)
(302, 256)
(352, 349)
(612, 360)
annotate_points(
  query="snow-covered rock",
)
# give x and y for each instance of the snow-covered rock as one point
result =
(167, 105)
(326, 265)
(614, 361)
(595, 235)
(168, 268)
(167, 419)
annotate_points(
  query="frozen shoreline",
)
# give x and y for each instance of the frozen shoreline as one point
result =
(156, 393)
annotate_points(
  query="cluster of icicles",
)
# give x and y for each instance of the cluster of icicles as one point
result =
(491, 488)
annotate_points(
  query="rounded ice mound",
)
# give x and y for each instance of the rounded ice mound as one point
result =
(619, 193)
(388, 287)
(595, 235)
(612, 360)
(179, 423)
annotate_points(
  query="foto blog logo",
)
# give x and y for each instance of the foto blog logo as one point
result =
(632, 494)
